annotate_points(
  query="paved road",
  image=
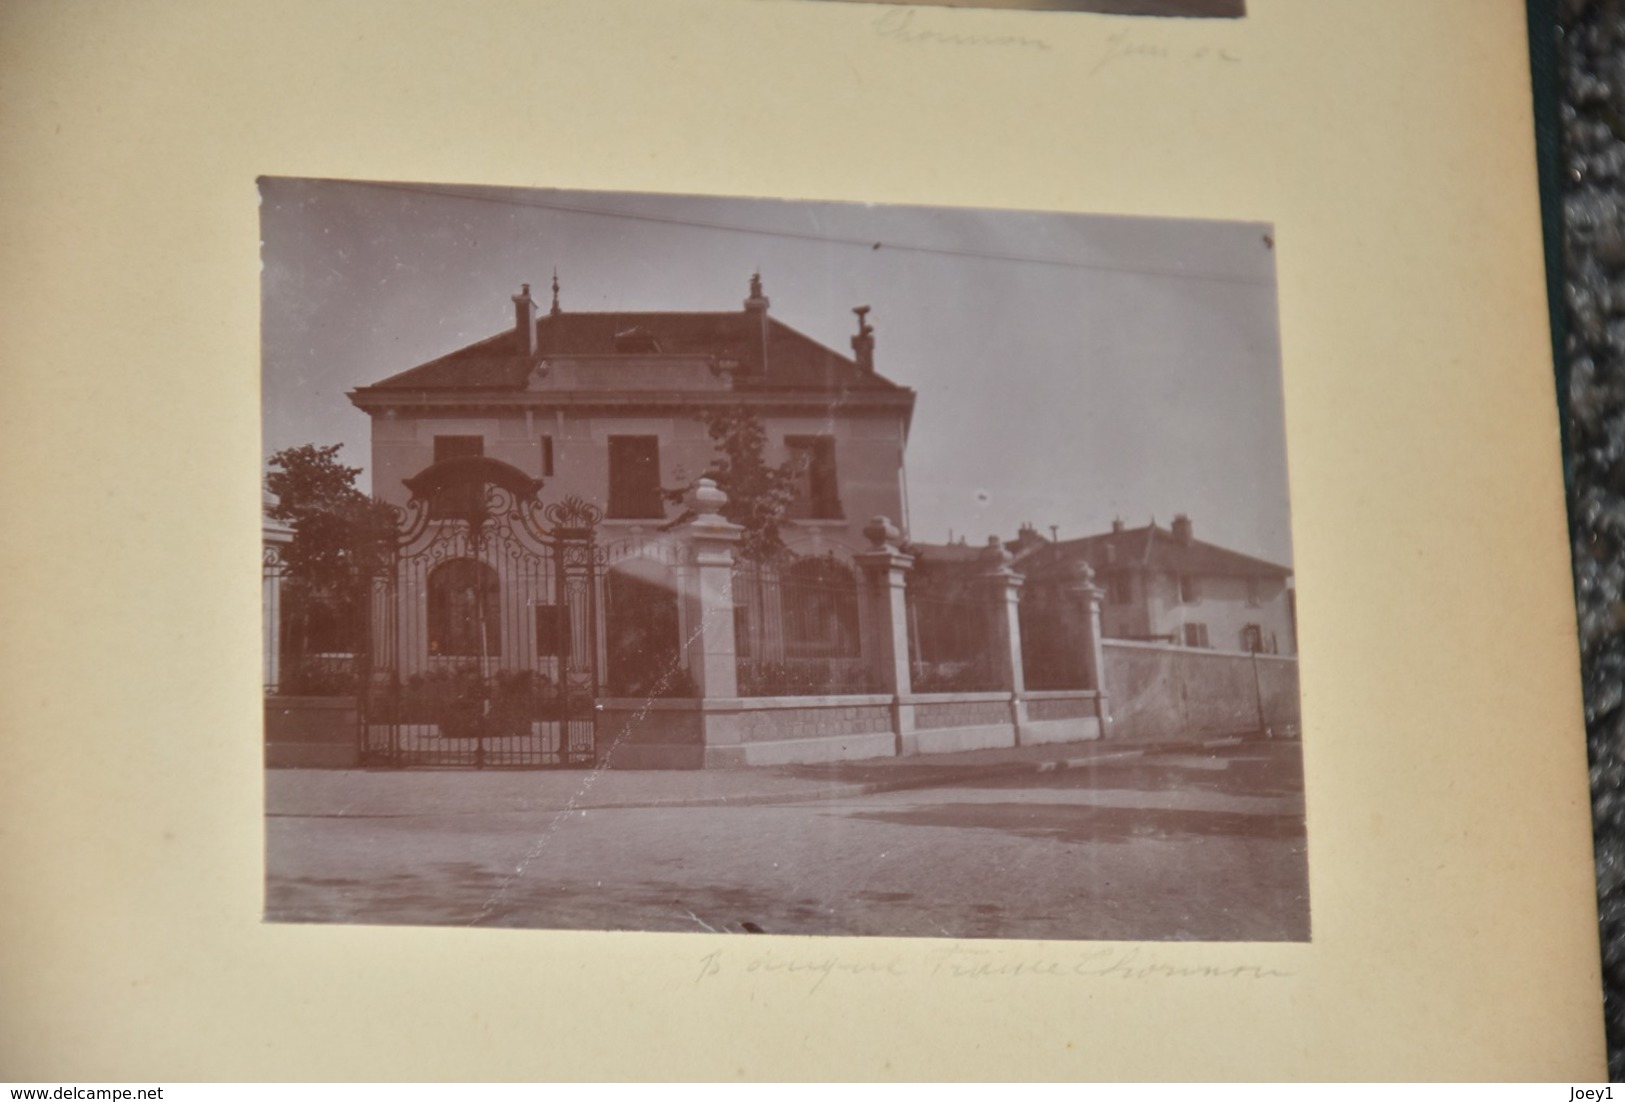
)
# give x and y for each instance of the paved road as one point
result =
(1206, 845)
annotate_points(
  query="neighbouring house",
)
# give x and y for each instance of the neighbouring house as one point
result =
(1165, 585)
(1197, 638)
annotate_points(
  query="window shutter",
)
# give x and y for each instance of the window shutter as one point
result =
(634, 477)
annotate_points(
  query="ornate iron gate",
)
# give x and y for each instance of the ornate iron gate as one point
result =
(483, 640)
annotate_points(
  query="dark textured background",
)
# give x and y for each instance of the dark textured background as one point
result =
(1577, 50)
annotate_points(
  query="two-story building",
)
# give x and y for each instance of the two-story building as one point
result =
(609, 407)
(1165, 585)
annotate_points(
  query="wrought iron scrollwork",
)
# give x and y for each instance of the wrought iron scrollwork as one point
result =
(573, 512)
(527, 697)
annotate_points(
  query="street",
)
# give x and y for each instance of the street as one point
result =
(1189, 844)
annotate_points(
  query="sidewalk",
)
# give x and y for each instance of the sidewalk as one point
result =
(323, 793)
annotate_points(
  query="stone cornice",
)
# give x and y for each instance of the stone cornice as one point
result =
(372, 400)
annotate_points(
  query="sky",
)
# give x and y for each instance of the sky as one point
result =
(1070, 369)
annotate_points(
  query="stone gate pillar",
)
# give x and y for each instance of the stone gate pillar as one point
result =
(885, 577)
(1094, 659)
(276, 537)
(1003, 587)
(708, 644)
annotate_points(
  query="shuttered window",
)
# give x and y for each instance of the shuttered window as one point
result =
(634, 477)
(818, 494)
(459, 501)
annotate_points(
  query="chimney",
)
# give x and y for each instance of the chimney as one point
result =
(1182, 530)
(863, 345)
(1117, 526)
(756, 327)
(524, 323)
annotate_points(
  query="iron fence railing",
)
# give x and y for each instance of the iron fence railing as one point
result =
(798, 628)
(952, 642)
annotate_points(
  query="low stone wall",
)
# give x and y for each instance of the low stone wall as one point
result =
(1071, 715)
(311, 732)
(1159, 691)
(940, 710)
(694, 734)
(946, 722)
(832, 717)
(1060, 705)
(651, 734)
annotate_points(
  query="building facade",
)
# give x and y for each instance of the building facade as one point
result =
(557, 598)
(608, 406)
(1163, 585)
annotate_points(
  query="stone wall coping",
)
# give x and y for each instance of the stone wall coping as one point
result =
(770, 703)
(645, 704)
(1002, 695)
(1169, 648)
(747, 703)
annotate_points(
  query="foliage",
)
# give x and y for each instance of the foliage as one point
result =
(759, 494)
(943, 677)
(341, 539)
(339, 533)
(463, 703)
(317, 677)
(804, 677)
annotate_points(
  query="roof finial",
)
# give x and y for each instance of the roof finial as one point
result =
(555, 309)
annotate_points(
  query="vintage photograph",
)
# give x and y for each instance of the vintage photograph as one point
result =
(683, 563)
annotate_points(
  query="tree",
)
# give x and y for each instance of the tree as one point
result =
(759, 494)
(342, 539)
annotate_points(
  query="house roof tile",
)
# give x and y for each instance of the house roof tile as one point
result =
(1150, 547)
(794, 360)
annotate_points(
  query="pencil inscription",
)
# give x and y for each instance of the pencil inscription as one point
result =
(1125, 46)
(902, 25)
(958, 962)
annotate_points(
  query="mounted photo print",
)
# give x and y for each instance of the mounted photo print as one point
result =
(660, 562)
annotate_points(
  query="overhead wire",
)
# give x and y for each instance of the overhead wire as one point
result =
(796, 235)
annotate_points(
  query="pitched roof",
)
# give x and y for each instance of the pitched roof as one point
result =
(794, 360)
(1151, 547)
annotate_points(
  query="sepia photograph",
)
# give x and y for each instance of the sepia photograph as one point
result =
(726, 565)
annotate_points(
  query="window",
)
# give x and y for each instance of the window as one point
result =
(552, 631)
(1189, 591)
(634, 477)
(817, 492)
(547, 457)
(459, 501)
(1196, 635)
(1120, 588)
(1252, 639)
(465, 610)
(454, 447)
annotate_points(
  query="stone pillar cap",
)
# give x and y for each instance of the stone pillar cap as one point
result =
(706, 499)
(882, 533)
